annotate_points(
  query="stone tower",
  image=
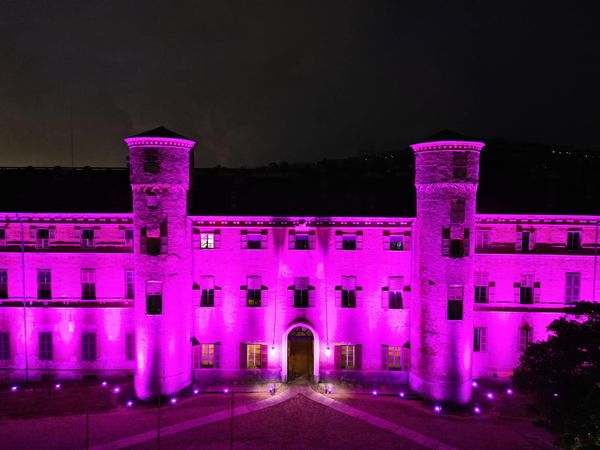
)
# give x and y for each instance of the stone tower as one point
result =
(441, 322)
(160, 175)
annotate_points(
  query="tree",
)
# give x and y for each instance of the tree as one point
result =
(563, 373)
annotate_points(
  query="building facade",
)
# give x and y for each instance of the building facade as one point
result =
(174, 298)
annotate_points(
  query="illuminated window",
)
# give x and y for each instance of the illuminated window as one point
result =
(455, 302)
(44, 291)
(45, 346)
(525, 336)
(253, 291)
(394, 358)
(207, 355)
(573, 282)
(88, 284)
(347, 357)
(207, 240)
(253, 353)
(573, 240)
(129, 346)
(154, 298)
(479, 339)
(3, 283)
(129, 284)
(4, 346)
(88, 347)
(42, 238)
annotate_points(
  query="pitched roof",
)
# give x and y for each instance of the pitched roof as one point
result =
(160, 132)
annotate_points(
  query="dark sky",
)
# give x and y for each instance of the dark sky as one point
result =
(294, 80)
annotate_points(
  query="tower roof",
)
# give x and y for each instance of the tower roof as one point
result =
(160, 132)
(445, 135)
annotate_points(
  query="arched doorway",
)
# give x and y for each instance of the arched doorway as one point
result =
(300, 353)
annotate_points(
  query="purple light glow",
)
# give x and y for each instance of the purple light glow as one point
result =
(14, 388)
(437, 409)
(401, 394)
(196, 391)
(329, 389)
(57, 386)
(374, 393)
(477, 410)
(475, 384)
(173, 401)
(226, 391)
(104, 384)
(490, 395)
(555, 395)
(130, 404)
(116, 390)
(328, 352)
(509, 391)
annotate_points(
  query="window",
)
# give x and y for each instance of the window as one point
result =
(152, 200)
(88, 347)
(253, 291)
(207, 292)
(151, 164)
(88, 284)
(253, 353)
(44, 291)
(128, 237)
(460, 164)
(45, 346)
(129, 284)
(573, 240)
(207, 241)
(482, 239)
(395, 292)
(87, 238)
(348, 292)
(301, 293)
(396, 242)
(154, 239)
(3, 283)
(525, 335)
(4, 346)
(479, 339)
(348, 357)
(129, 346)
(455, 242)
(154, 298)
(254, 240)
(394, 358)
(207, 355)
(455, 302)
(481, 287)
(457, 211)
(301, 242)
(2, 237)
(573, 282)
(42, 238)
(525, 241)
(349, 242)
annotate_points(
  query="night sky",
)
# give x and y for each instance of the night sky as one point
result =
(286, 80)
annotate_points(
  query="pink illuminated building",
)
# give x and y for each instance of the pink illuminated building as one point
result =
(176, 299)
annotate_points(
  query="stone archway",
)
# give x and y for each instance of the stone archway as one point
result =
(297, 328)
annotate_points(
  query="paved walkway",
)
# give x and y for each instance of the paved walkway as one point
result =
(287, 394)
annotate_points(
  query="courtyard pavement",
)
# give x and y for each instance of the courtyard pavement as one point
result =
(296, 417)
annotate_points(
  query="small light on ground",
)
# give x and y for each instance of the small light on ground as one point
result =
(14, 388)
(509, 391)
(475, 384)
(196, 391)
(57, 386)
(116, 390)
(437, 409)
(555, 395)
(226, 391)
(104, 384)
(401, 394)
(374, 393)
(329, 389)
(130, 404)
(477, 410)
(490, 395)
(173, 401)
(271, 390)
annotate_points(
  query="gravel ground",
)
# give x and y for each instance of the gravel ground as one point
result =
(295, 424)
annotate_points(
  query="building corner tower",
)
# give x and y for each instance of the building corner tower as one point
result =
(441, 322)
(160, 176)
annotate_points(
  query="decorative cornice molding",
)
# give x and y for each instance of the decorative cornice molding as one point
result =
(447, 145)
(159, 188)
(134, 142)
(453, 188)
